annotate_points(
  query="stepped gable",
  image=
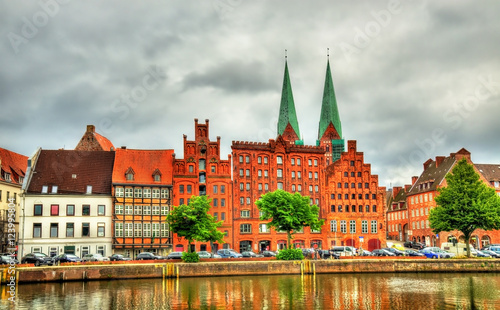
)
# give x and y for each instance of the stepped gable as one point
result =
(13, 164)
(72, 171)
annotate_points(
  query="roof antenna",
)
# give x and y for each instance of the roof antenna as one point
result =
(285, 54)
(328, 53)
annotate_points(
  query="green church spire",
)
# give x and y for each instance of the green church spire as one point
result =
(287, 107)
(329, 109)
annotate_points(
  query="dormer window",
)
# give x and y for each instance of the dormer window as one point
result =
(157, 175)
(129, 174)
(89, 189)
(54, 189)
(7, 177)
(45, 189)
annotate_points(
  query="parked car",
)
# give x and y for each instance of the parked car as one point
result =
(269, 254)
(395, 251)
(94, 258)
(175, 255)
(229, 253)
(204, 254)
(148, 256)
(491, 253)
(413, 253)
(6, 259)
(429, 253)
(414, 245)
(365, 253)
(37, 259)
(343, 250)
(327, 254)
(119, 257)
(481, 254)
(382, 252)
(66, 258)
(251, 254)
(442, 253)
(494, 248)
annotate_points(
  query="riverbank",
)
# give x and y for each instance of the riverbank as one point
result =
(240, 268)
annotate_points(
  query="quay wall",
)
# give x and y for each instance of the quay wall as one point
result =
(241, 268)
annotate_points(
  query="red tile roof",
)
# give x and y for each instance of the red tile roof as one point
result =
(72, 171)
(143, 164)
(14, 164)
(104, 142)
(92, 141)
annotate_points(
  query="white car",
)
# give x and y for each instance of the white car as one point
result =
(94, 258)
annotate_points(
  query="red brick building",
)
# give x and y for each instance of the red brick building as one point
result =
(397, 214)
(92, 141)
(420, 200)
(203, 172)
(356, 214)
(142, 198)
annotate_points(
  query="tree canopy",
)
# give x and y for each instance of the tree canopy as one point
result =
(288, 212)
(193, 222)
(465, 204)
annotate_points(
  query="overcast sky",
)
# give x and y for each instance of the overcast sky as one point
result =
(414, 79)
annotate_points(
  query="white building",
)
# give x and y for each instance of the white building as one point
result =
(67, 203)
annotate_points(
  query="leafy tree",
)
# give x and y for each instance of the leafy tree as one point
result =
(194, 223)
(288, 212)
(465, 204)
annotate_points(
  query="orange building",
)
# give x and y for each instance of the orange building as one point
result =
(420, 200)
(356, 215)
(203, 172)
(397, 214)
(142, 191)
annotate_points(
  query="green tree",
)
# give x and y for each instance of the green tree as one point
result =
(288, 212)
(194, 223)
(465, 204)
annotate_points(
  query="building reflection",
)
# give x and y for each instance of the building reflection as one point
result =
(333, 291)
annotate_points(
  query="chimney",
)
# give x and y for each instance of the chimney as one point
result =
(123, 147)
(395, 191)
(414, 180)
(407, 187)
(90, 128)
(439, 160)
(426, 164)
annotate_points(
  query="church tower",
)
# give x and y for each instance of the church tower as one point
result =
(330, 129)
(288, 125)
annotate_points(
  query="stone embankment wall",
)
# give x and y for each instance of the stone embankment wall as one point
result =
(214, 269)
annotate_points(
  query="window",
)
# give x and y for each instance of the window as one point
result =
(164, 210)
(212, 169)
(181, 189)
(129, 210)
(298, 161)
(241, 172)
(156, 210)
(364, 227)
(181, 201)
(316, 175)
(54, 210)
(374, 227)
(333, 226)
(38, 210)
(45, 190)
(137, 229)
(265, 159)
(147, 193)
(245, 213)
(247, 159)
(343, 226)
(263, 228)
(346, 174)
(248, 200)
(156, 193)
(119, 192)
(146, 230)
(259, 173)
(241, 159)
(266, 186)
(299, 174)
(216, 216)
(85, 229)
(352, 227)
(280, 173)
(316, 163)
(128, 193)
(101, 210)
(70, 210)
(89, 189)
(279, 160)
(146, 210)
(293, 161)
(246, 228)
(280, 185)
(340, 208)
(339, 185)
(86, 210)
(374, 208)
(353, 185)
(54, 189)
(247, 172)
(266, 173)
(242, 200)
(37, 230)
(260, 186)
(316, 188)
(157, 178)
(293, 187)
(248, 186)
(189, 189)
(339, 196)
(346, 185)
(223, 202)
(215, 188)
(352, 163)
(310, 162)
(138, 193)
(310, 175)
(70, 230)
(129, 228)
(164, 230)
(100, 229)
(215, 202)
(242, 186)
(360, 208)
(310, 188)
(156, 230)
(223, 216)
(137, 210)
(259, 160)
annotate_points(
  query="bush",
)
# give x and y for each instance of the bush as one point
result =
(190, 257)
(290, 254)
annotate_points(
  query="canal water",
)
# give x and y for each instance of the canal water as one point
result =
(326, 291)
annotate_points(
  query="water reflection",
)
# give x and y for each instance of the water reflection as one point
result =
(345, 291)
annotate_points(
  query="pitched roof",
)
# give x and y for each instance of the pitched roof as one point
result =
(491, 172)
(287, 107)
(145, 164)
(13, 163)
(329, 110)
(92, 141)
(72, 171)
(433, 174)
